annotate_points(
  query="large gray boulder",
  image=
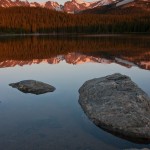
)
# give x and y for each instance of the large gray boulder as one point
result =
(32, 86)
(118, 105)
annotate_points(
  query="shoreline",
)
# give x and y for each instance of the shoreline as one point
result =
(75, 34)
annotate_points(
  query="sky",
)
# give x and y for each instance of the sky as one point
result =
(59, 1)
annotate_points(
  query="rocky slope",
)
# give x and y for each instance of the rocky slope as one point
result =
(122, 7)
(72, 6)
(75, 6)
(48, 4)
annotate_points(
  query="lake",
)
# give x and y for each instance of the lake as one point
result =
(55, 121)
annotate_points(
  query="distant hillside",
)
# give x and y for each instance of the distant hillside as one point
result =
(42, 20)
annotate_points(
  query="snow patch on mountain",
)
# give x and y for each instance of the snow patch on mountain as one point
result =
(124, 2)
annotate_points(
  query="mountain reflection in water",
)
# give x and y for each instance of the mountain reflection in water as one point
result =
(125, 50)
(56, 120)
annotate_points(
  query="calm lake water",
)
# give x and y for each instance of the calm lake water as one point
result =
(55, 121)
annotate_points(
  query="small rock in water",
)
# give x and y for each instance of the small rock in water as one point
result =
(118, 105)
(32, 86)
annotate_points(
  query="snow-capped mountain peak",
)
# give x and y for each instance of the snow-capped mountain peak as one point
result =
(73, 6)
(79, 5)
(69, 6)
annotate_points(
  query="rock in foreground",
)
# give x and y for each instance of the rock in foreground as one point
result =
(32, 86)
(118, 105)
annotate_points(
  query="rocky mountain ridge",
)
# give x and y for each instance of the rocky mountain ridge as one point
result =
(17, 3)
(77, 6)
(122, 7)
(72, 6)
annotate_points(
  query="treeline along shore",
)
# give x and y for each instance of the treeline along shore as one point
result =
(41, 20)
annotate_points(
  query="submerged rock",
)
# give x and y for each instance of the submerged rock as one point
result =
(118, 105)
(32, 86)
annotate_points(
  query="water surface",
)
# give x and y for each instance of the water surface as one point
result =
(55, 121)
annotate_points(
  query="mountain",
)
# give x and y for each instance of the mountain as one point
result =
(75, 6)
(72, 6)
(122, 7)
(48, 4)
